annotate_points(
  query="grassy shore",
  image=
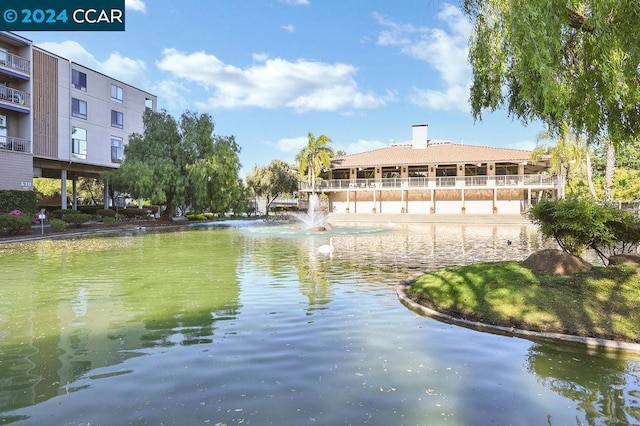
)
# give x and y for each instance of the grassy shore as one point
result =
(602, 303)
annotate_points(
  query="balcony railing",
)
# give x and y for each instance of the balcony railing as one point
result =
(15, 144)
(442, 182)
(15, 96)
(18, 63)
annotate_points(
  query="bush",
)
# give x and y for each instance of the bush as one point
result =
(57, 224)
(105, 213)
(13, 224)
(59, 214)
(76, 219)
(109, 221)
(92, 209)
(578, 224)
(133, 213)
(25, 201)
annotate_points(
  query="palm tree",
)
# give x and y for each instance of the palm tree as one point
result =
(568, 149)
(315, 157)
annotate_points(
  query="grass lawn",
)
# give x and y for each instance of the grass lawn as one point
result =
(603, 303)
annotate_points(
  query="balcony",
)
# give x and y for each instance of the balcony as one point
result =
(14, 99)
(444, 182)
(9, 143)
(14, 65)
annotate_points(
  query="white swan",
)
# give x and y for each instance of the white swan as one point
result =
(327, 248)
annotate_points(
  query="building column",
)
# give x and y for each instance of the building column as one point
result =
(63, 189)
(74, 194)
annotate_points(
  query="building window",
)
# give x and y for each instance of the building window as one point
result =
(79, 108)
(117, 119)
(79, 80)
(79, 143)
(116, 93)
(117, 149)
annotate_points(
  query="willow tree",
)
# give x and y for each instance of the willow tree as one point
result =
(179, 163)
(559, 61)
(314, 157)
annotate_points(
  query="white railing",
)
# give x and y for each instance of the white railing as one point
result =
(454, 182)
(15, 96)
(15, 144)
(15, 62)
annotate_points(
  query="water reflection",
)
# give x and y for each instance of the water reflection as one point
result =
(92, 303)
(606, 389)
(253, 324)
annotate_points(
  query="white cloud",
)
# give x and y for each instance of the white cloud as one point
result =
(137, 5)
(363, 145)
(296, 2)
(301, 85)
(128, 70)
(290, 28)
(444, 49)
(290, 145)
(260, 57)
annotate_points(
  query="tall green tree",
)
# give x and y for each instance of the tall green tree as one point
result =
(177, 163)
(559, 61)
(272, 180)
(315, 157)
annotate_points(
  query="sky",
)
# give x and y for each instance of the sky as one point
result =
(361, 72)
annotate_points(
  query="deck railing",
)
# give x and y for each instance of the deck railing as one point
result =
(441, 182)
(15, 144)
(15, 62)
(15, 96)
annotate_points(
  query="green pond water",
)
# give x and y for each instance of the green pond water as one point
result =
(251, 325)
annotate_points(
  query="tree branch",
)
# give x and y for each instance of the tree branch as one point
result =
(579, 21)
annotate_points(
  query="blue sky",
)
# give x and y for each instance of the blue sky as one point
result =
(270, 71)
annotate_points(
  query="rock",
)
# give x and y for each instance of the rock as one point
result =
(558, 262)
(630, 259)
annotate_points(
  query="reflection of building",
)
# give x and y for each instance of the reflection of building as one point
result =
(435, 177)
(59, 119)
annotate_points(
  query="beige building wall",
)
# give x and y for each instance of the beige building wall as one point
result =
(16, 171)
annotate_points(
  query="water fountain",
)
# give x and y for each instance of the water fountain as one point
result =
(314, 219)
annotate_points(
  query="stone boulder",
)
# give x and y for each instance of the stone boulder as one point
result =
(630, 259)
(557, 262)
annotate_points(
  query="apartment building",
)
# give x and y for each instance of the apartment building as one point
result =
(60, 119)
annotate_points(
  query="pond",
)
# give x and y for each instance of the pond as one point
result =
(230, 325)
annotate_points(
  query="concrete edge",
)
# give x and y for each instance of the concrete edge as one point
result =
(591, 342)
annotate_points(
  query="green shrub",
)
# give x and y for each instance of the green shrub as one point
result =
(76, 219)
(133, 213)
(92, 209)
(25, 201)
(105, 213)
(58, 214)
(12, 224)
(577, 224)
(209, 216)
(109, 221)
(57, 224)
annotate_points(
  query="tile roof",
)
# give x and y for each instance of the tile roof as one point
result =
(437, 152)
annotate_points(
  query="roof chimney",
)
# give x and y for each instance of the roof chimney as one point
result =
(419, 139)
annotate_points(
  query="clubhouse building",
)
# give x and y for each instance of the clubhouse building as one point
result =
(425, 176)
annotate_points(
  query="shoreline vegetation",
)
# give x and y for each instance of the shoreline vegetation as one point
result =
(593, 308)
(600, 307)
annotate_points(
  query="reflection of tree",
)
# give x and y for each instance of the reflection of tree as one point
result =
(281, 257)
(603, 387)
(95, 302)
